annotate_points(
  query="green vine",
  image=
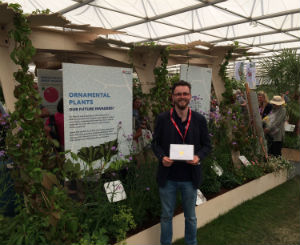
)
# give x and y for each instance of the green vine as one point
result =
(161, 92)
(238, 132)
(228, 94)
(38, 170)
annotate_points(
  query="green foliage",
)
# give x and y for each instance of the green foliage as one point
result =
(229, 180)
(280, 73)
(291, 140)
(44, 11)
(143, 195)
(160, 94)
(7, 194)
(247, 173)
(93, 153)
(210, 183)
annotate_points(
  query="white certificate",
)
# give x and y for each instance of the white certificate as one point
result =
(181, 152)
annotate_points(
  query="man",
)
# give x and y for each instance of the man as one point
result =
(180, 125)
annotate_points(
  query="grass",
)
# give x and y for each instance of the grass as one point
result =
(271, 218)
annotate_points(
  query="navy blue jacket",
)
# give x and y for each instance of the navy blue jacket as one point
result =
(165, 134)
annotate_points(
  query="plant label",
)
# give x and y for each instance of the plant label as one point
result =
(115, 191)
(244, 160)
(217, 168)
(200, 198)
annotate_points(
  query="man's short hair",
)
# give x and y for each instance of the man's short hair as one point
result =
(181, 83)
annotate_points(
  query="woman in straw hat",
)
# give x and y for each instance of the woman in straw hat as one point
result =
(275, 126)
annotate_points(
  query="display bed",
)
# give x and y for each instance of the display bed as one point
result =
(213, 208)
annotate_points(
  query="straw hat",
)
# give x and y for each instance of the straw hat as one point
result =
(277, 100)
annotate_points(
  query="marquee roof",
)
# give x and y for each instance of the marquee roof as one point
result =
(265, 26)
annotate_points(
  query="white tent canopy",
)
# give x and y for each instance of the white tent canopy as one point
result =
(267, 26)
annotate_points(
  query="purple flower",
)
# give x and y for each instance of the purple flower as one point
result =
(147, 188)
(113, 174)
(3, 123)
(211, 135)
(121, 155)
(17, 145)
(130, 158)
(2, 153)
(234, 143)
(113, 148)
(229, 112)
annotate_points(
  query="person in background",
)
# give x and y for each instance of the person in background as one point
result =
(138, 122)
(239, 99)
(59, 124)
(180, 125)
(263, 104)
(142, 135)
(274, 128)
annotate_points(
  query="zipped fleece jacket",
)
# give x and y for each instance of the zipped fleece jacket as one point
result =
(165, 134)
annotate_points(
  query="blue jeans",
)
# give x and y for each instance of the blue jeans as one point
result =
(168, 203)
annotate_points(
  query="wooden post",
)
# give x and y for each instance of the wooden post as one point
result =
(7, 68)
(255, 119)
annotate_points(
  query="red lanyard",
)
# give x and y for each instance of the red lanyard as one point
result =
(176, 126)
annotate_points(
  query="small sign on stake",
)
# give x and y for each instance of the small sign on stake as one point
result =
(244, 161)
(200, 198)
(217, 168)
(115, 191)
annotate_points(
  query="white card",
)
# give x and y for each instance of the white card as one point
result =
(181, 152)
(115, 191)
(244, 161)
(200, 198)
(289, 127)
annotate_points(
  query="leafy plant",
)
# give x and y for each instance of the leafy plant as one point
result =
(280, 74)
(229, 180)
(291, 140)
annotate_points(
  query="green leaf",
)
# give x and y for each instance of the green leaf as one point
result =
(29, 115)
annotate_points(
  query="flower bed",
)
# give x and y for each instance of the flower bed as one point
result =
(211, 209)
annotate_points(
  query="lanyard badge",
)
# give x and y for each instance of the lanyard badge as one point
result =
(176, 126)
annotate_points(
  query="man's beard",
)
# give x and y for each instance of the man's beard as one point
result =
(181, 106)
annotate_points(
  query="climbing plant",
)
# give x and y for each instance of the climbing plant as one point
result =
(38, 171)
(160, 94)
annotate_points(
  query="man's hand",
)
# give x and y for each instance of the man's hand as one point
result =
(195, 161)
(167, 162)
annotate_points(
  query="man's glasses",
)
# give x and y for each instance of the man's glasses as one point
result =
(182, 94)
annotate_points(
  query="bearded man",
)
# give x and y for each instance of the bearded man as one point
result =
(180, 126)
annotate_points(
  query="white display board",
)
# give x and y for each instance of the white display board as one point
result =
(251, 75)
(50, 88)
(239, 73)
(200, 79)
(97, 101)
